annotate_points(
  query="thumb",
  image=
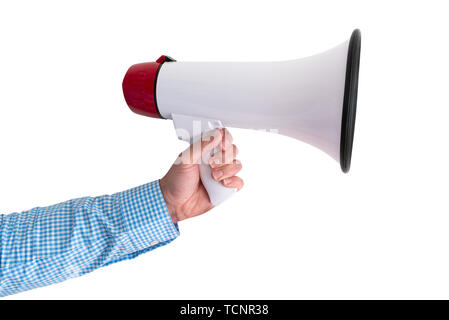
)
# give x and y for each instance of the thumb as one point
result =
(209, 141)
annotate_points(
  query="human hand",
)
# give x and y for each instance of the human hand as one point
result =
(183, 191)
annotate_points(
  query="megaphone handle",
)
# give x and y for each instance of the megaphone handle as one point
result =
(190, 129)
(215, 189)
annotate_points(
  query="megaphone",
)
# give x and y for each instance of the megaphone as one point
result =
(312, 99)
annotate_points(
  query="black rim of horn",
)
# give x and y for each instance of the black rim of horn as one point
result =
(350, 100)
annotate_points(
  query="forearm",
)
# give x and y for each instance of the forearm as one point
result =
(48, 245)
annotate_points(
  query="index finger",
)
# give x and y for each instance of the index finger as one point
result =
(227, 139)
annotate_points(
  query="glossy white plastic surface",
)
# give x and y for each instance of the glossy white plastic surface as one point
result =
(300, 98)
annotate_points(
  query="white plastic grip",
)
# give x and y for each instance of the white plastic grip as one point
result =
(190, 129)
(215, 189)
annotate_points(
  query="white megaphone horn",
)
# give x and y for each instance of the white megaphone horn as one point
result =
(311, 99)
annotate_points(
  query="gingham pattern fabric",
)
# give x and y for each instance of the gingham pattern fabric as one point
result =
(49, 245)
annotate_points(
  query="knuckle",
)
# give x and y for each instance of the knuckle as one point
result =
(237, 164)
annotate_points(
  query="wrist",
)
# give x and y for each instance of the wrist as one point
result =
(168, 202)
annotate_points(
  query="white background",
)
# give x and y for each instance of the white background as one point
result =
(300, 228)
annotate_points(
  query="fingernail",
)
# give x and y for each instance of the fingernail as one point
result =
(227, 181)
(217, 174)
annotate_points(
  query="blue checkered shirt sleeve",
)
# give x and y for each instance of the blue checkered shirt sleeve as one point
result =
(47, 245)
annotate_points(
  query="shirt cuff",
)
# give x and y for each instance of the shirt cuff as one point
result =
(147, 218)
